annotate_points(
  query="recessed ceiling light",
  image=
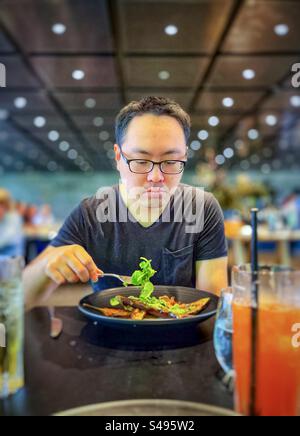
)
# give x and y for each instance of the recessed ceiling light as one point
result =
(214, 121)
(98, 121)
(228, 153)
(20, 102)
(171, 30)
(78, 75)
(245, 165)
(33, 154)
(3, 114)
(59, 28)
(53, 135)
(203, 135)
(80, 161)
(104, 136)
(108, 145)
(39, 122)
(271, 120)
(164, 75)
(295, 100)
(220, 159)
(228, 102)
(72, 154)
(249, 74)
(253, 134)
(196, 145)
(266, 169)
(90, 103)
(281, 29)
(255, 159)
(64, 146)
(52, 166)
(85, 167)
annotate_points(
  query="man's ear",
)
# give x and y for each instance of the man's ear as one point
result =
(117, 153)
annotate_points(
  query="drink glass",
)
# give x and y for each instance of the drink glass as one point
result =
(277, 344)
(11, 326)
(223, 330)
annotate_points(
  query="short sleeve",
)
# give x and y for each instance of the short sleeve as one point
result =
(212, 242)
(73, 230)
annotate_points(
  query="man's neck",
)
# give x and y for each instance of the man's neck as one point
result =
(146, 216)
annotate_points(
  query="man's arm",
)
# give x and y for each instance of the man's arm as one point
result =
(54, 267)
(211, 250)
(212, 275)
(37, 285)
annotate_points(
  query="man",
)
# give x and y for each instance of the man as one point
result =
(11, 233)
(150, 153)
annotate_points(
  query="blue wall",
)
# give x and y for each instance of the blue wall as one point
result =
(65, 190)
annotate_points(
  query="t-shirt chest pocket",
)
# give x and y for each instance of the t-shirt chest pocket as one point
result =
(178, 266)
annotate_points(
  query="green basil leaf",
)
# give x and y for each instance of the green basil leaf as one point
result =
(114, 301)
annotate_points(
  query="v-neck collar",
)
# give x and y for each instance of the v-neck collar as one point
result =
(134, 220)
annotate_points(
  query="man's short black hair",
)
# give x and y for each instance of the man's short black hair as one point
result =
(151, 105)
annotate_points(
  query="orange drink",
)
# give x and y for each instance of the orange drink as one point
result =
(277, 358)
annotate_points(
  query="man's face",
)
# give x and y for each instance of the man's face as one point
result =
(155, 138)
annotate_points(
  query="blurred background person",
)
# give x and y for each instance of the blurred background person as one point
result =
(30, 215)
(21, 208)
(44, 216)
(11, 232)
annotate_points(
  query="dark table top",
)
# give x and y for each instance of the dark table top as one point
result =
(91, 364)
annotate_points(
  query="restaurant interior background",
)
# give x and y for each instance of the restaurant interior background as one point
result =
(72, 64)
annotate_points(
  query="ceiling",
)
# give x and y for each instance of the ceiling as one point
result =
(120, 50)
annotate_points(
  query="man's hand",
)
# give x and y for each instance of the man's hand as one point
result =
(70, 264)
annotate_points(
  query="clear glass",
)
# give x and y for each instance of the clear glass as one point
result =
(277, 356)
(11, 326)
(223, 331)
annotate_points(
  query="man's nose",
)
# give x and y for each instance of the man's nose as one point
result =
(156, 175)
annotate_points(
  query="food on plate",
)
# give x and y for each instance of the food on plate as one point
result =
(147, 305)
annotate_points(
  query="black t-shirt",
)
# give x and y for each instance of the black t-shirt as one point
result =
(105, 228)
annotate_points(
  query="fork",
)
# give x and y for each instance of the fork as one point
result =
(123, 279)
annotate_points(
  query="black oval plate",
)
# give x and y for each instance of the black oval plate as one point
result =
(182, 294)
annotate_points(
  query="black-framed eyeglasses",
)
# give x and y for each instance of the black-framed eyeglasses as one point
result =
(144, 166)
